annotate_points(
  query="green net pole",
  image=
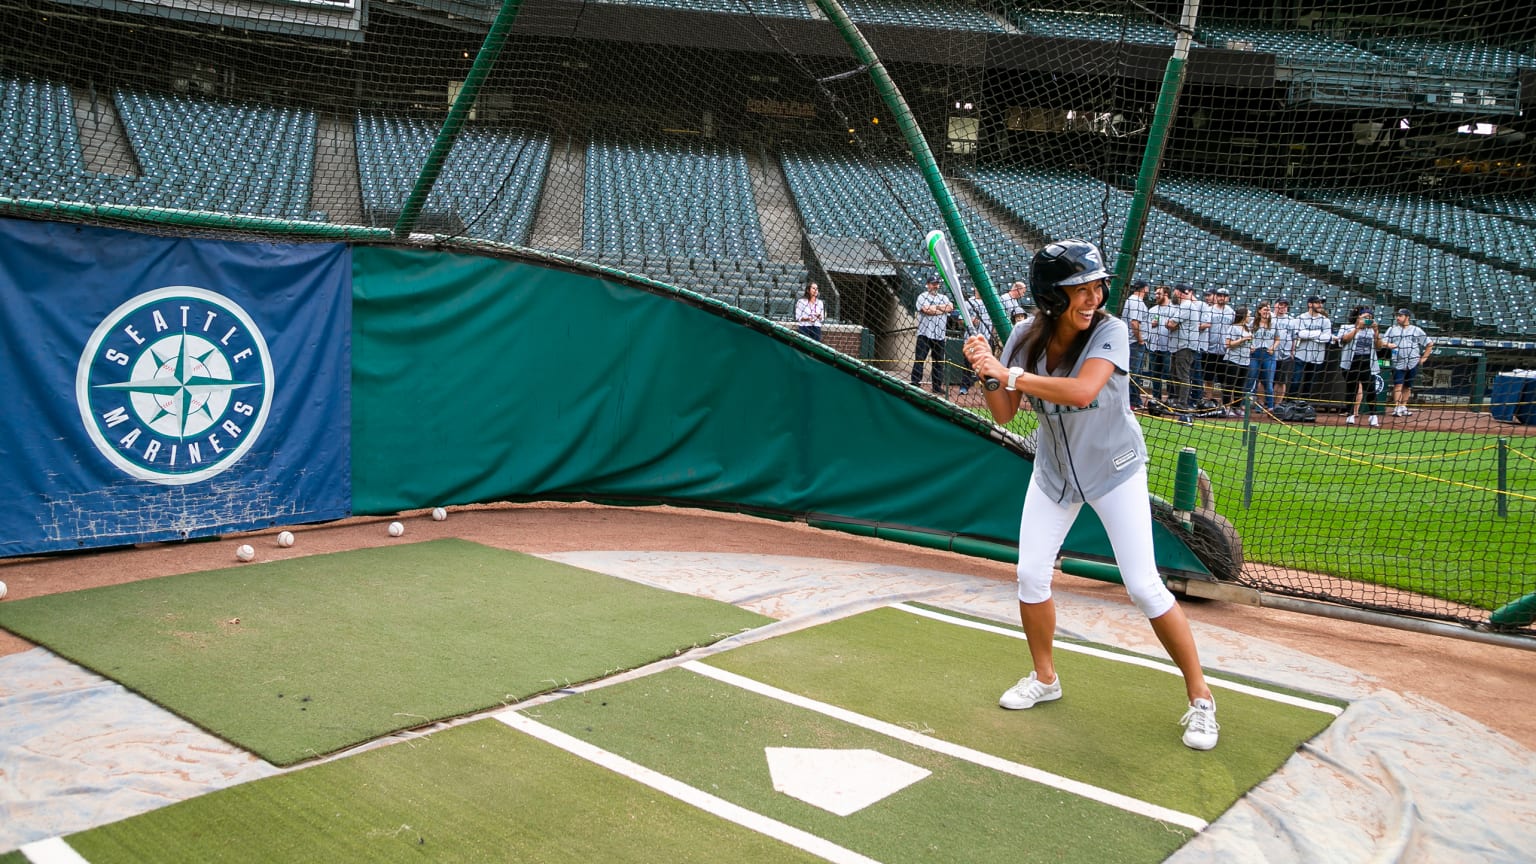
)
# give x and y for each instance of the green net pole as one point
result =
(1501, 497)
(485, 60)
(925, 161)
(1186, 482)
(1152, 157)
(1479, 383)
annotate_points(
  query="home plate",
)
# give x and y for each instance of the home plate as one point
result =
(840, 781)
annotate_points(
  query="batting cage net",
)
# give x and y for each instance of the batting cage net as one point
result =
(1333, 202)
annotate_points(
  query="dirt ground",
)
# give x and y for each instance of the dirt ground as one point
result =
(1493, 685)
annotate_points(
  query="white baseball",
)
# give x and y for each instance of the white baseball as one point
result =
(439, 514)
(2, 590)
(285, 539)
(396, 529)
(244, 552)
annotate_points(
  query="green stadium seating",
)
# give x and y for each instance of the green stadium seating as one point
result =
(490, 182)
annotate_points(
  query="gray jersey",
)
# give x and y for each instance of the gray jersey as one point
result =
(1136, 310)
(1410, 341)
(1219, 317)
(931, 326)
(1084, 453)
(980, 320)
(1188, 334)
(1158, 337)
(1286, 326)
(1313, 333)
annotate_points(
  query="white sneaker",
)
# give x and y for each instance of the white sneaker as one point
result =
(1350, 420)
(1028, 692)
(1375, 421)
(1200, 725)
(1399, 411)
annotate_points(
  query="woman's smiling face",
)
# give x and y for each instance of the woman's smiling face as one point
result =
(1083, 301)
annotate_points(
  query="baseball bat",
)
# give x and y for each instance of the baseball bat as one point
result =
(938, 250)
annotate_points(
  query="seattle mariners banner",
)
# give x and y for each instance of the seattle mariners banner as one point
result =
(164, 388)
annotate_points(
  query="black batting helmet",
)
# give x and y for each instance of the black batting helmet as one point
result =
(1062, 265)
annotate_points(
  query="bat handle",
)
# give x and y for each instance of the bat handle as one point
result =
(991, 383)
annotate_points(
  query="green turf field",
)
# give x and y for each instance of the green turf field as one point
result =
(1407, 509)
(298, 658)
(1116, 729)
(704, 762)
(476, 793)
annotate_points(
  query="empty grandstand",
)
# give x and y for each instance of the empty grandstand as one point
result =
(750, 96)
(489, 187)
(1057, 204)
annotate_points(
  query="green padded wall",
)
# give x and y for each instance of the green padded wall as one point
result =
(479, 379)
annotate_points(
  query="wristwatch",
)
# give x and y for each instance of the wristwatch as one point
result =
(1013, 377)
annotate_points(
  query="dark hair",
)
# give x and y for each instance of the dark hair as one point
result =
(1239, 314)
(808, 286)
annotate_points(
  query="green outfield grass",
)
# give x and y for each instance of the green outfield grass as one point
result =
(1403, 508)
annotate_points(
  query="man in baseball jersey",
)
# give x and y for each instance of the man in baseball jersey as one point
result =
(1136, 318)
(1184, 337)
(933, 310)
(1314, 332)
(1410, 347)
(1218, 316)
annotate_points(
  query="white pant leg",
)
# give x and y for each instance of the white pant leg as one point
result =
(1043, 525)
(1126, 512)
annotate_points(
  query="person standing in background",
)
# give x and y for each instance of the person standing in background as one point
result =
(1360, 341)
(1159, 355)
(1287, 370)
(1314, 333)
(933, 310)
(1235, 372)
(1136, 318)
(810, 311)
(1261, 365)
(1411, 348)
(1183, 324)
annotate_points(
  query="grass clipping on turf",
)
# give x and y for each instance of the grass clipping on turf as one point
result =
(296, 659)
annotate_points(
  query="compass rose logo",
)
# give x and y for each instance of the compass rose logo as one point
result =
(175, 385)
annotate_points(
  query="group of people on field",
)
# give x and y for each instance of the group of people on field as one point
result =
(1185, 350)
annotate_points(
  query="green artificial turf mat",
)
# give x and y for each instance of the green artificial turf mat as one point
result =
(1116, 726)
(299, 658)
(713, 736)
(477, 792)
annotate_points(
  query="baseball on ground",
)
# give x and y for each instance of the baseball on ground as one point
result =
(285, 539)
(244, 552)
(2, 590)
(396, 529)
(439, 514)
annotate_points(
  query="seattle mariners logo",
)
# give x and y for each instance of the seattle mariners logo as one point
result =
(175, 385)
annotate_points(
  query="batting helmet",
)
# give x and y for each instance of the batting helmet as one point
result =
(1062, 265)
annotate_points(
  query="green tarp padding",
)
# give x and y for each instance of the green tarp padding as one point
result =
(480, 379)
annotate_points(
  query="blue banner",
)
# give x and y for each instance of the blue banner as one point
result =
(162, 388)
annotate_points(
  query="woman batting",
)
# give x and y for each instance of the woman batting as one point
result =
(1072, 364)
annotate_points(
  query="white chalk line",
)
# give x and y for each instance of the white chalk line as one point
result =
(957, 751)
(711, 804)
(1144, 662)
